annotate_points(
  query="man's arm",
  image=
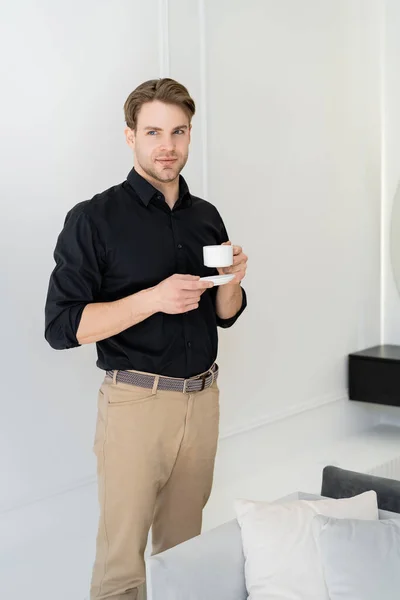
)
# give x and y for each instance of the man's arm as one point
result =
(230, 298)
(104, 319)
(175, 295)
(72, 315)
(76, 278)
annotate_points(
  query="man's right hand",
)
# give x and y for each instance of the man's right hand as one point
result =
(179, 294)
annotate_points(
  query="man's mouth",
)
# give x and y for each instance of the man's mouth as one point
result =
(166, 161)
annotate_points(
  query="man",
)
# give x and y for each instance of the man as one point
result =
(127, 277)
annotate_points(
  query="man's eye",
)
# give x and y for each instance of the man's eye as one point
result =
(152, 133)
(179, 131)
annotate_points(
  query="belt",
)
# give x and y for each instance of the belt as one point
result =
(172, 384)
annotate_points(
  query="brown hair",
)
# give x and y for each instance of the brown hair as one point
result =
(165, 90)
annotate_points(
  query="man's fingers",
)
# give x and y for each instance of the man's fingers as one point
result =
(193, 294)
(192, 307)
(191, 301)
(196, 285)
(236, 249)
(240, 258)
(187, 277)
(235, 269)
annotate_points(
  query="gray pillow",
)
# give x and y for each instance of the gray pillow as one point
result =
(339, 483)
(360, 559)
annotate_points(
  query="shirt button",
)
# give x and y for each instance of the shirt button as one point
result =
(180, 246)
(189, 344)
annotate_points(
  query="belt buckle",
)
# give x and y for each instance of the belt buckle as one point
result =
(203, 381)
(204, 378)
(201, 378)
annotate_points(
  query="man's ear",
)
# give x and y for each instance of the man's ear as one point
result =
(130, 137)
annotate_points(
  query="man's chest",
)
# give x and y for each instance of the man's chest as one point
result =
(145, 248)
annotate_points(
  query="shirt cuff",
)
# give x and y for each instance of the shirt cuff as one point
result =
(61, 331)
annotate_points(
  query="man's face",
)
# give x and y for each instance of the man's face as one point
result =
(161, 141)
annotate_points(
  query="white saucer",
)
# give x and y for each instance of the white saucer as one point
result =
(218, 279)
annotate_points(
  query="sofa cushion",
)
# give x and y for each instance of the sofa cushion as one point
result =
(209, 566)
(281, 556)
(360, 559)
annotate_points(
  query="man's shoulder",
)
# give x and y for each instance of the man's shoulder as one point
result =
(100, 205)
(204, 205)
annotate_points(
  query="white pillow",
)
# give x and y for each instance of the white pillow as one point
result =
(360, 559)
(282, 558)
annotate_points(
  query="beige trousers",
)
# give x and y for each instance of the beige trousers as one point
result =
(155, 461)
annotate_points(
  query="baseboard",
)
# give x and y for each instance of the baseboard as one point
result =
(65, 489)
(286, 414)
(255, 424)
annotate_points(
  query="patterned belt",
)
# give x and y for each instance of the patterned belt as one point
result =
(172, 384)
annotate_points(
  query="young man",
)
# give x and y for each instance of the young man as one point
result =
(127, 277)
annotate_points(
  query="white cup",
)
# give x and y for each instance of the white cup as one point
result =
(218, 256)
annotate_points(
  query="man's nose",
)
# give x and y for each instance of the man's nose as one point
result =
(168, 143)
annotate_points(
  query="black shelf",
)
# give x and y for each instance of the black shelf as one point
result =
(374, 375)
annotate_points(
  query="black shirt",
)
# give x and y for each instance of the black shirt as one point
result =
(120, 242)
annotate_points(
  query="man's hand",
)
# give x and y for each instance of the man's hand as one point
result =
(239, 266)
(179, 294)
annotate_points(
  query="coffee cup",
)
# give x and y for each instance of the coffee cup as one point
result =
(218, 256)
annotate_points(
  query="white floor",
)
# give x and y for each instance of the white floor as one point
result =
(46, 549)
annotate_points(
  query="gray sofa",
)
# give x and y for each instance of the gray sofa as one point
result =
(211, 566)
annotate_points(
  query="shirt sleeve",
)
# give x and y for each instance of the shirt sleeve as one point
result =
(75, 281)
(226, 323)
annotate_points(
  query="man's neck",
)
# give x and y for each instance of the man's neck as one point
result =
(169, 190)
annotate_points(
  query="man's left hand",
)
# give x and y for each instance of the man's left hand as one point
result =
(239, 267)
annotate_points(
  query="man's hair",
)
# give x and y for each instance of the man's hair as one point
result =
(165, 90)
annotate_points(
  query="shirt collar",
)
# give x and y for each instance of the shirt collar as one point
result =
(147, 192)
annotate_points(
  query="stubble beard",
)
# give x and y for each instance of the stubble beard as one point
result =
(167, 174)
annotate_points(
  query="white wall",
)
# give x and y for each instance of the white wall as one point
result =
(294, 165)
(391, 163)
(286, 144)
(67, 69)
